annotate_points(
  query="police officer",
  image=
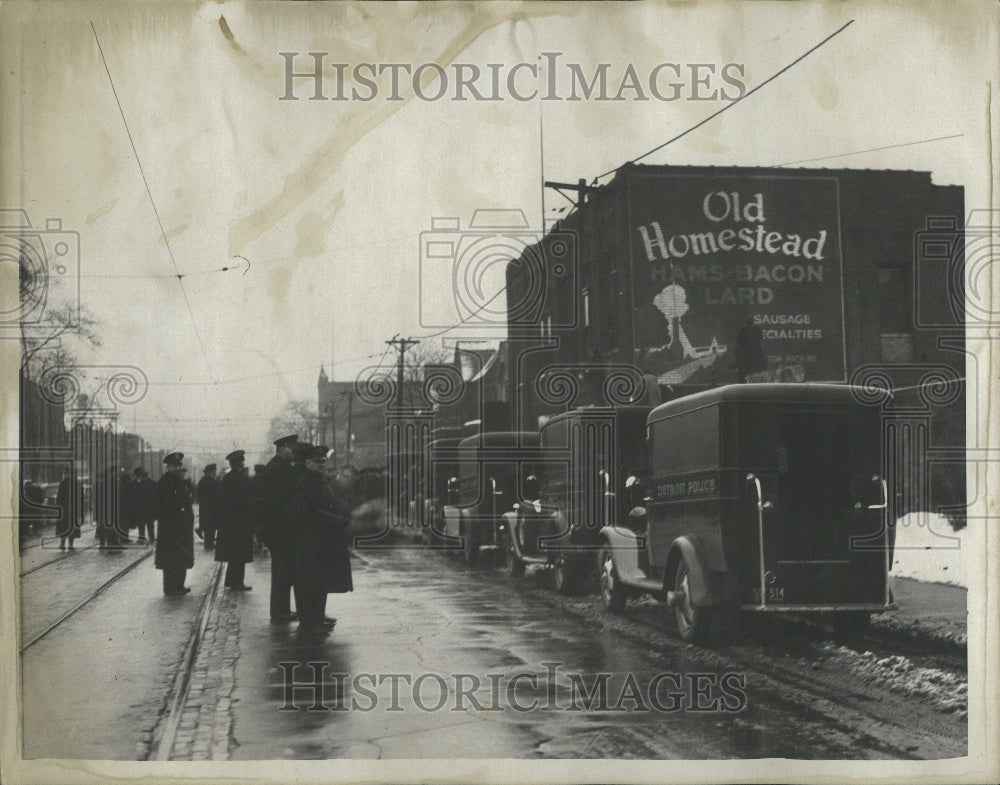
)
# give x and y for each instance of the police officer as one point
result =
(235, 536)
(69, 498)
(322, 561)
(144, 492)
(283, 471)
(257, 518)
(208, 506)
(175, 544)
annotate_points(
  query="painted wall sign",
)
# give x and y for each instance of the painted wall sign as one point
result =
(737, 270)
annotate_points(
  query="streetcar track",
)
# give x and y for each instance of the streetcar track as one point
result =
(63, 557)
(74, 551)
(182, 682)
(93, 595)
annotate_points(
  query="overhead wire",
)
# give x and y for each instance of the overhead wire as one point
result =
(729, 106)
(156, 212)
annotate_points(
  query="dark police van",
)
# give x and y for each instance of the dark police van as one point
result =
(493, 468)
(767, 498)
(587, 455)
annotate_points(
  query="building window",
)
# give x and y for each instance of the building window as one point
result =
(895, 304)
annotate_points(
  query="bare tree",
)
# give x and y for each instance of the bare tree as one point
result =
(299, 417)
(416, 361)
(48, 343)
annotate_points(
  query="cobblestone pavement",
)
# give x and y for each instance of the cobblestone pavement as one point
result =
(205, 730)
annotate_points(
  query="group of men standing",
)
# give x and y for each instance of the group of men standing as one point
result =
(123, 502)
(304, 524)
(306, 528)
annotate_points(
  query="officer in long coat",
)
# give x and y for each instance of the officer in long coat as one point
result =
(281, 474)
(69, 499)
(144, 490)
(208, 506)
(175, 513)
(322, 563)
(105, 512)
(234, 544)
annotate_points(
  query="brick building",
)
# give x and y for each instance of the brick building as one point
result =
(845, 275)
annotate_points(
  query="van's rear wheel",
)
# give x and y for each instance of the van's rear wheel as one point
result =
(692, 622)
(612, 591)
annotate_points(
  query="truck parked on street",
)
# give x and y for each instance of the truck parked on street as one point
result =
(761, 498)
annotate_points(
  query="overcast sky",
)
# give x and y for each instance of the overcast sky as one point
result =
(325, 201)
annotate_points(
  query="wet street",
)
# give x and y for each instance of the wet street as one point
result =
(431, 659)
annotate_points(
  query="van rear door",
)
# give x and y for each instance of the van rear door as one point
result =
(818, 467)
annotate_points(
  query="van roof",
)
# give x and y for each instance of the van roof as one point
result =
(451, 441)
(624, 412)
(501, 439)
(770, 393)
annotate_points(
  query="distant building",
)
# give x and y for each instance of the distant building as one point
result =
(341, 408)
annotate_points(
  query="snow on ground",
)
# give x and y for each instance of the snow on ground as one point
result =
(948, 691)
(928, 549)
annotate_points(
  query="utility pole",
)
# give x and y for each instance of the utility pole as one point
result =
(350, 408)
(331, 409)
(581, 188)
(400, 345)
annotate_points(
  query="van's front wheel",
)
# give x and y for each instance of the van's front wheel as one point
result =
(612, 591)
(692, 622)
(564, 576)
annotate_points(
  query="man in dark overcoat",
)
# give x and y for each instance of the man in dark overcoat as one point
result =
(175, 513)
(207, 495)
(281, 474)
(69, 499)
(257, 518)
(322, 563)
(234, 544)
(127, 510)
(144, 490)
(208, 506)
(105, 512)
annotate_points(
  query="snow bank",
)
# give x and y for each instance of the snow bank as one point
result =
(928, 549)
(948, 691)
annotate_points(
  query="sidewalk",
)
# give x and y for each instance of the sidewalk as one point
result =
(927, 611)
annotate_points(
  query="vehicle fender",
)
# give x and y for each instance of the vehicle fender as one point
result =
(616, 538)
(556, 533)
(508, 522)
(452, 517)
(704, 592)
